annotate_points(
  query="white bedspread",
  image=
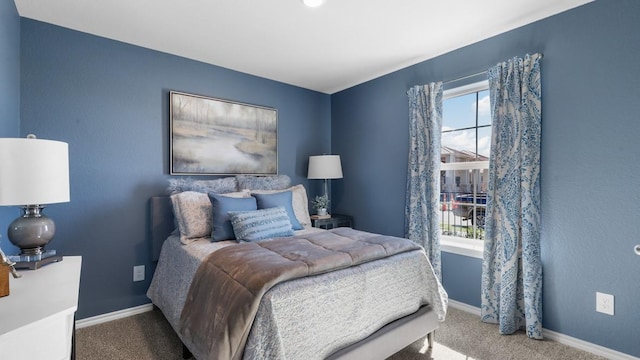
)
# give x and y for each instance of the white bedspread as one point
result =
(309, 318)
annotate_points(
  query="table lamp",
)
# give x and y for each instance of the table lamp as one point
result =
(325, 167)
(35, 172)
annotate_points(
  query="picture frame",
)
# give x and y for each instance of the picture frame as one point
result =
(211, 136)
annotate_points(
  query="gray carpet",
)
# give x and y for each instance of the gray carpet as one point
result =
(462, 336)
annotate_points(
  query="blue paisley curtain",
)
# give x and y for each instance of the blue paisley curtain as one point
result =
(512, 269)
(422, 224)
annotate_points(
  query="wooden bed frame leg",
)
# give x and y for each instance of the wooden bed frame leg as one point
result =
(430, 338)
(186, 354)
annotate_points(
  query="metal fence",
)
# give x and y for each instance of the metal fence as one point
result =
(462, 218)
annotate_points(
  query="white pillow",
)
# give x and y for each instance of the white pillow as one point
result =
(192, 211)
(299, 200)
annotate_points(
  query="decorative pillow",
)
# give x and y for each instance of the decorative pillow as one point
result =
(276, 182)
(192, 212)
(300, 202)
(283, 199)
(217, 186)
(261, 224)
(220, 207)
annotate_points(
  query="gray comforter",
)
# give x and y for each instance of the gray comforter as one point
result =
(230, 283)
(314, 316)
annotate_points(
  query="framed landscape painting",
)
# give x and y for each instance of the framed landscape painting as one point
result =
(212, 136)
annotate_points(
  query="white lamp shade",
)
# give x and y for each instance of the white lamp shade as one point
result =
(325, 167)
(33, 172)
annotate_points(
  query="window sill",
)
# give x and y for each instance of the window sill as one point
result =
(459, 246)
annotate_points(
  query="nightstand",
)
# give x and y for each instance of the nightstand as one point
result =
(336, 220)
(38, 316)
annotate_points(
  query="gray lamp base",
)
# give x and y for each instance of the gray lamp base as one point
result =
(31, 231)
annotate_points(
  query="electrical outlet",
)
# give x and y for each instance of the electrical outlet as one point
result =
(138, 273)
(604, 303)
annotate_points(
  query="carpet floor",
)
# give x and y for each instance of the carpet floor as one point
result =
(149, 336)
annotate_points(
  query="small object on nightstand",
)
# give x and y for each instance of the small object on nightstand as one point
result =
(316, 217)
(333, 221)
(4, 280)
(10, 265)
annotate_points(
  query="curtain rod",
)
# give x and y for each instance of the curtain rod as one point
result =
(464, 77)
(473, 75)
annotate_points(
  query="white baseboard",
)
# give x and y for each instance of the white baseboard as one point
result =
(587, 346)
(99, 319)
(561, 338)
(464, 307)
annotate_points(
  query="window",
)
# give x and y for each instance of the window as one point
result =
(466, 142)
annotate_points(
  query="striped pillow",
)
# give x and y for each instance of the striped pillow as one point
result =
(261, 224)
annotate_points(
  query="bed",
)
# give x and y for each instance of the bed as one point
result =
(367, 311)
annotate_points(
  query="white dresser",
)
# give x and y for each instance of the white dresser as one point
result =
(37, 318)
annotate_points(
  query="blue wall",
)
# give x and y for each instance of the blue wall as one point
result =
(590, 146)
(9, 94)
(9, 70)
(109, 101)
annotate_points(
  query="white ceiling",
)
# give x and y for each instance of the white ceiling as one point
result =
(338, 45)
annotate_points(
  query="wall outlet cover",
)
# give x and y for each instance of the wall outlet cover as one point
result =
(605, 303)
(138, 273)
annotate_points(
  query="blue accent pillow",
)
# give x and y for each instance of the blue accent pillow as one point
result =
(283, 199)
(261, 224)
(221, 228)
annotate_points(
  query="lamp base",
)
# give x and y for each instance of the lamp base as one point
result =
(34, 262)
(31, 231)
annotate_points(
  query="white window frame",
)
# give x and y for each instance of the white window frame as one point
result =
(452, 244)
